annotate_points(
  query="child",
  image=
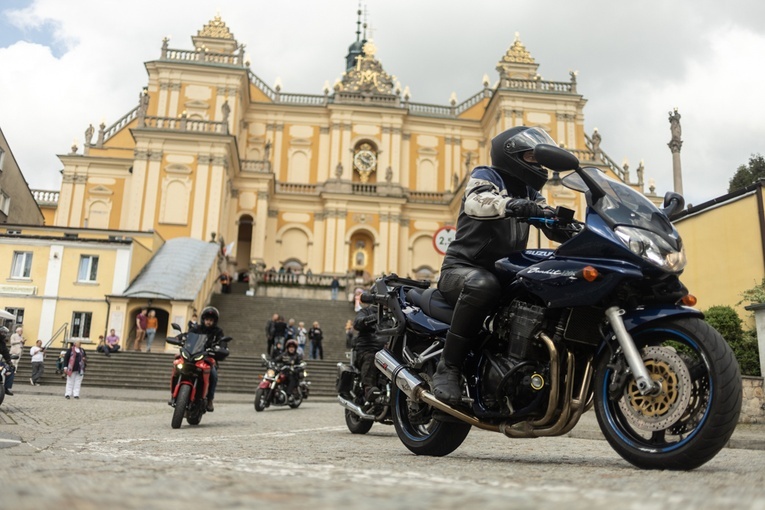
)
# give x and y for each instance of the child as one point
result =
(60, 364)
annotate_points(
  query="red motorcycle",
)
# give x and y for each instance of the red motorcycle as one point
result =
(191, 374)
(272, 390)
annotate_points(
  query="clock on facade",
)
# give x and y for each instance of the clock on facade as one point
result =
(365, 160)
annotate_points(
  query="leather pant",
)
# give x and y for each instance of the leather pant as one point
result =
(474, 292)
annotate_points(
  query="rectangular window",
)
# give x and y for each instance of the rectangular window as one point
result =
(18, 312)
(22, 264)
(88, 268)
(81, 324)
(5, 203)
(2, 160)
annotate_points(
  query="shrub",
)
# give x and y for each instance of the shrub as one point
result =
(744, 344)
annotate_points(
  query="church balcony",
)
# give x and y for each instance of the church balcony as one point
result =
(184, 123)
(295, 188)
(255, 166)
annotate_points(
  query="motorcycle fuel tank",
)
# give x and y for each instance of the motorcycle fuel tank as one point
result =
(560, 282)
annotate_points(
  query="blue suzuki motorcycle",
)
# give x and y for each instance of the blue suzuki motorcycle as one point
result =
(603, 321)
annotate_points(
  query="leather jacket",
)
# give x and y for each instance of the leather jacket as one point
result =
(485, 231)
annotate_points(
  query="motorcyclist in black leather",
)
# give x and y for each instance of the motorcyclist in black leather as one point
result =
(291, 356)
(488, 228)
(5, 353)
(367, 343)
(208, 325)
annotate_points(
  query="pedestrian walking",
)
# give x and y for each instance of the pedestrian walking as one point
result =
(75, 362)
(335, 287)
(38, 363)
(140, 328)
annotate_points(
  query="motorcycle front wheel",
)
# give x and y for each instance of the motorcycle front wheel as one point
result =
(692, 417)
(184, 394)
(356, 424)
(260, 399)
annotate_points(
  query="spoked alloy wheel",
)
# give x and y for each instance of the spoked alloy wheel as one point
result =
(422, 434)
(696, 411)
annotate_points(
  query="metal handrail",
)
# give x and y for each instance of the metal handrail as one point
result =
(63, 329)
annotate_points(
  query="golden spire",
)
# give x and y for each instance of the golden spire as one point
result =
(216, 29)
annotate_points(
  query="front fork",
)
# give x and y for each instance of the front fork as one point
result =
(645, 384)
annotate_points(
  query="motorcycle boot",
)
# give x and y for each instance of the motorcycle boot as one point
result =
(210, 406)
(446, 381)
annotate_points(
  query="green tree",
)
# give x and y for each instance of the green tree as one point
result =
(748, 174)
(744, 344)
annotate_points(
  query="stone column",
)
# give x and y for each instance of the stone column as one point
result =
(258, 247)
(675, 144)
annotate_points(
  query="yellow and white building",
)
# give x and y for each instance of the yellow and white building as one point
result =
(355, 179)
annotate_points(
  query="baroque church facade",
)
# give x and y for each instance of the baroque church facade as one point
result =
(355, 180)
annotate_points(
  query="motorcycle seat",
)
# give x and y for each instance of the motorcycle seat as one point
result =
(433, 303)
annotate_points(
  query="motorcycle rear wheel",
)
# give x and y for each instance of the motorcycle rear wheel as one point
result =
(356, 424)
(260, 399)
(420, 433)
(296, 402)
(693, 416)
(181, 402)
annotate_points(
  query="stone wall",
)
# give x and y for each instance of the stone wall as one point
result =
(753, 407)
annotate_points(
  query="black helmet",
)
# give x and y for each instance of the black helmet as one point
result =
(4, 331)
(507, 150)
(210, 312)
(291, 342)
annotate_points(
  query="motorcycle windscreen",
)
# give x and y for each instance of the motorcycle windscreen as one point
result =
(195, 343)
(622, 205)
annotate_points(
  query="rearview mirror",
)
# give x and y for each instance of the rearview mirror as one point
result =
(555, 158)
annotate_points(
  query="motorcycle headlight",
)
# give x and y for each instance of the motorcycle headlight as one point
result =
(270, 372)
(179, 366)
(199, 357)
(652, 248)
(185, 354)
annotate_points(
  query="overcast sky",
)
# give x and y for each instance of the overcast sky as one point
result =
(65, 64)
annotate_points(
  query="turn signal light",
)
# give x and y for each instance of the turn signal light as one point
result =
(689, 300)
(590, 274)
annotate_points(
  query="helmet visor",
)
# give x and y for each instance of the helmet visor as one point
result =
(526, 140)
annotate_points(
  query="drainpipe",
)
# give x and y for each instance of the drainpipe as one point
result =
(761, 217)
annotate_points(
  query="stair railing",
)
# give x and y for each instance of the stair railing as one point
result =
(63, 330)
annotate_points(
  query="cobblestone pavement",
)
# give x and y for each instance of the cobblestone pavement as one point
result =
(116, 449)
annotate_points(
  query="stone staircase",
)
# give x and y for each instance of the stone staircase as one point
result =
(142, 370)
(244, 318)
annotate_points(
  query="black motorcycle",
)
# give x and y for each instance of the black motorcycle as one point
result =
(272, 389)
(361, 414)
(601, 321)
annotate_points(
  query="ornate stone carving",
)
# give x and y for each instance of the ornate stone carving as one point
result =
(216, 29)
(367, 76)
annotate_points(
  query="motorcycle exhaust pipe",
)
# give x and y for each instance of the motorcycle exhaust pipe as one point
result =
(354, 409)
(414, 388)
(398, 373)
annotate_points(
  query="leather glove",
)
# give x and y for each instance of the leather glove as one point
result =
(523, 208)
